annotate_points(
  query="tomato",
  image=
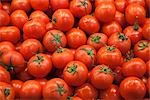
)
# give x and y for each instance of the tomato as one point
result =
(118, 76)
(59, 4)
(120, 18)
(140, 2)
(135, 13)
(62, 16)
(101, 77)
(112, 93)
(87, 55)
(39, 15)
(110, 28)
(30, 47)
(40, 4)
(49, 26)
(80, 8)
(55, 88)
(4, 18)
(102, 10)
(132, 88)
(7, 92)
(148, 68)
(54, 39)
(73, 98)
(6, 7)
(31, 89)
(42, 81)
(120, 41)
(134, 33)
(19, 18)
(17, 85)
(121, 5)
(108, 55)
(134, 67)
(39, 65)
(4, 75)
(146, 31)
(89, 24)
(20, 5)
(97, 2)
(65, 55)
(1, 5)
(75, 38)
(142, 50)
(86, 91)
(148, 85)
(75, 73)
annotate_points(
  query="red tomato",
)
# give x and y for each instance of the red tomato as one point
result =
(121, 5)
(80, 8)
(75, 38)
(102, 10)
(65, 55)
(98, 2)
(4, 75)
(146, 31)
(54, 39)
(6, 7)
(62, 16)
(75, 73)
(4, 18)
(73, 98)
(148, 85)
(89, 24)
(140, 2)
(132, 88)
(101, 77)
(42, 81)
(120, 18)
(118, 76)
(134, 67)
(148, 68)
(49, 26)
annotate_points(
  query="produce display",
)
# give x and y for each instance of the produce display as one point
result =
(74, 49)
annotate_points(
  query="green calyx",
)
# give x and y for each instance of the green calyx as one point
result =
(6, 92)
(84, 3)
(61, 90)
(60, 50)
(38, 59)
(72, 69)
(89, 52)
(110, 48)
(105, 69)
(69, 98)
(57, 38)
(143, 45)
(96, 39)
(122, 36)
(54, 20)
(136, 26)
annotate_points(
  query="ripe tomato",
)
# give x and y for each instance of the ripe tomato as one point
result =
(73, 98)
(19, 18)
(140, 2)
(30, 47)
(120, 18)
(42, 81)
(39, 65)
(20, 5)
(49, 26)
(4, 75)
(6, 7)
(86, 91)
(40, 4)
(65, 55)
(4, 18)
(148, 85)
(148, 68)
(75, 73)
(75, 38)
(54, 39)
(80, 8)
(102, 10)
(87, 55)
(121, 5)
(142, 50)
(118, 76)
(132, 88)
(146, 31)
(101, 77)
(97, 2)
(56, 88)
(97, 40)
(59, 4)
(108, 55)
(110, 28)
(121, 41)
(31, 89)
(62, 16)
(135, 13)
(112, 93)
(89, 24)
(134, 67)
(37, 31)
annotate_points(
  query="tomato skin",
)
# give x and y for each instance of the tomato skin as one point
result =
(146, 31)
(140, 2)
(42, 81)
(50, 90)
(39, 65)
(65, 55)
(75, 38)
(121, 5)
(134, 67)
(19, 18)
(148, 85)
(4, 18)
(31, 89)
(6, 7)
(4, 75)
(120, 18)
(75, 73)
(103, 9)
(74, 98)
(135, 13)
(97, 40)
(62, 16)
(118, 76)
(101, 79)
(80, 8)
(54, 39)
(148, 68)
(89, 24)
(132, 88)
(30, 47)
(98, 2)
(49, 26)
(110, 28)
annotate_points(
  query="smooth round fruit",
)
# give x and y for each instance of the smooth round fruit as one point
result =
(4, 18)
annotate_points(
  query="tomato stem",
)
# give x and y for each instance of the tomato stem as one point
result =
(136, 26)
(96, 39)
(89, 52)
(57, 38)
(61, 90)
(72, 69)
(6, 92)
(105, 69)
(143, 45)
(122, 36)
(110, 48)
(38, 59)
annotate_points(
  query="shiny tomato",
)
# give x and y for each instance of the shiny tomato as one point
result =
(121, 5)
(74, 98)
(4, 18)
(98, 2)
(49, 26)
(140, 2)
(75, 73)
(146, 31)
(148, 85)
(148, 68)
(4, 75)
(120, 18)
(6, 7)
(42, 81)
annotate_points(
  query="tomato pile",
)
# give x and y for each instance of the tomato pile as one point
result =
(74, 49)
